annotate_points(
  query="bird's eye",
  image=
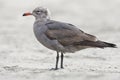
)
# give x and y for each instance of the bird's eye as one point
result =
(38, 11)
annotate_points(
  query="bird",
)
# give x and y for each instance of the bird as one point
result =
(62, 37)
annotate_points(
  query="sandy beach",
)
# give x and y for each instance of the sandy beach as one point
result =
(22, 57)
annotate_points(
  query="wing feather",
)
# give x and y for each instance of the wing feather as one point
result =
(67, 34)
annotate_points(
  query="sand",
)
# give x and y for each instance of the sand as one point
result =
(23, 58)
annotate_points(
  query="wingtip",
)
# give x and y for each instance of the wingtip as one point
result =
(113, 45)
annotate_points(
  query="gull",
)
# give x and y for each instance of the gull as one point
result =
(62, 37)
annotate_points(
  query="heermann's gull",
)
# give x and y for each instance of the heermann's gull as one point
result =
(62, 37)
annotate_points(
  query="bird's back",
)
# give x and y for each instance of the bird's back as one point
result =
(67, 35)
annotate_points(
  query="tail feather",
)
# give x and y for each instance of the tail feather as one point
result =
(110, 45)
(99, 44)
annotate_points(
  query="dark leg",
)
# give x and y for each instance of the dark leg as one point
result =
(62, 56)
(57, 59)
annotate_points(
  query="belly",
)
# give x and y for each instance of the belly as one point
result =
(44, 41)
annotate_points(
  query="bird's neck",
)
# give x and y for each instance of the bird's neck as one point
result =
(42, 19)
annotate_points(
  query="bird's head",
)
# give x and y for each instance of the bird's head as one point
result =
(39, 13)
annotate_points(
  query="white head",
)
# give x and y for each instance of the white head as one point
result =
(39, 13)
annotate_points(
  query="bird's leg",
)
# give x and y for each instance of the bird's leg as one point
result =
(62, 56)
(57, 59)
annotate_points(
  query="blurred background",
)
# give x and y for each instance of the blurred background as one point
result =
(23, 56)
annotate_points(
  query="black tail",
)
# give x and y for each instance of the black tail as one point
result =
(109, 45)
(99, 44)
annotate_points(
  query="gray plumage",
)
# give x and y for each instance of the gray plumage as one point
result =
(62, 37)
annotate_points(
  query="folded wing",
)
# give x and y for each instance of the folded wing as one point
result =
(67, 34)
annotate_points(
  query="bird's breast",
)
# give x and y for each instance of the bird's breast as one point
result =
(39, 32)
